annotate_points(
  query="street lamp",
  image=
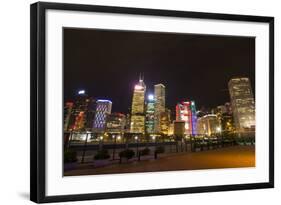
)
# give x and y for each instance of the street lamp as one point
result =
(218, 129)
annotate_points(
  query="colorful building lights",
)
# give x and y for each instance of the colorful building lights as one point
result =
(186, 112)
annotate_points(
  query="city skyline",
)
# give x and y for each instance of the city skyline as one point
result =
(137, 97)
(158, 60)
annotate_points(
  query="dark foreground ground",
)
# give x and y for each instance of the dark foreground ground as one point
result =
(229, 157)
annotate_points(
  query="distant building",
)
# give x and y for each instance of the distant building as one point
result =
(83, 112)
(223, 109)
(186, 112)
(227, 123)
(159, 95)
(103, 109)
(137, 112)
(67, 115)
(115, 123)
(208, 125)
(179, 128)
(225, 116)
(165, 120)
(128, 123)
(171, 129)
(243, 104)
(149, 115)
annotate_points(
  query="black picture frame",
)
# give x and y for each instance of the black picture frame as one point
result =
(38, 101)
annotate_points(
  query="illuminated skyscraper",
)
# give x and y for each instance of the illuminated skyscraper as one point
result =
(137, 112)
(103, 109)
(149, 115)
(159, 95)
(243, 103)
(186, 112)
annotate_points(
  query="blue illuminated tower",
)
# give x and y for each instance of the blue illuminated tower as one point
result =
(103, 109)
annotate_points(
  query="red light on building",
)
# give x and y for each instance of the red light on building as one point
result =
(185, 111)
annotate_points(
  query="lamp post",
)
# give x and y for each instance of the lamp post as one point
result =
(154, 138)
(137, 139)
(100, 142)
(84, 148)
(114, 147)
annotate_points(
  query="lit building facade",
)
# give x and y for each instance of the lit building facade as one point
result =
(149, 115)
(137, 124)
(225, 116)
(186, 111)
(171, 129)
(115, 123)
(243, 104)
(208, 125)
(159, 95)
(165, 120)
(103, 109)
(83, 112)
(67, 115)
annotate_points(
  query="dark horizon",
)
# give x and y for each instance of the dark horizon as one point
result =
(107, 64)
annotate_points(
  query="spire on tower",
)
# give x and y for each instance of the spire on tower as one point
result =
(141, 77)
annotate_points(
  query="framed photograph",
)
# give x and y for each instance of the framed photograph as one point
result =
(129, 102)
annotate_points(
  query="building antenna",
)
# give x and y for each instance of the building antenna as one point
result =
(141, 77)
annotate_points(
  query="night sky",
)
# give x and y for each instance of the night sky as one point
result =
(107, 64)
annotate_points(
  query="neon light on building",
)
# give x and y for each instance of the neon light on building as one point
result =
(186, 112)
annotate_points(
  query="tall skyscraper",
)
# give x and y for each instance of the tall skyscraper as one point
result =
(186, 112)
(159, 95)
(243, 104)
(138, 109)
(103, 109)
(149, 114)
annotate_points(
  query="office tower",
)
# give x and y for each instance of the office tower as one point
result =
(137, 112)
(103, 109)
(159, 95)
(186, 112)
(243, 104)
(149, 114)
(208, 124)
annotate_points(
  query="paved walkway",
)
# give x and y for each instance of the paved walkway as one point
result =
(229, 157)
